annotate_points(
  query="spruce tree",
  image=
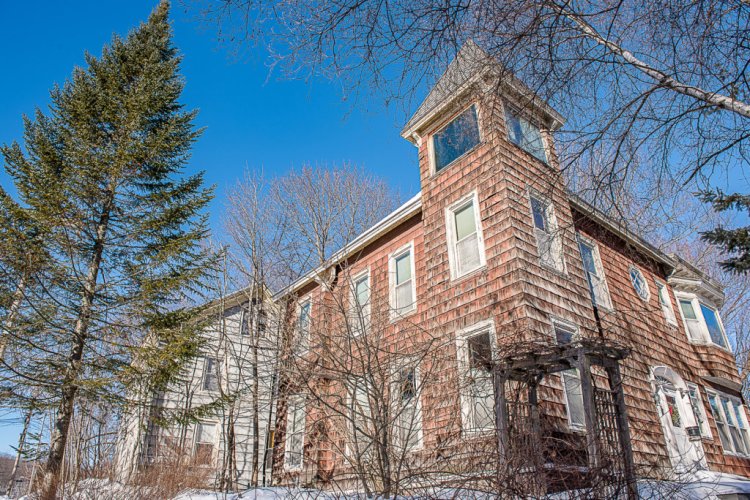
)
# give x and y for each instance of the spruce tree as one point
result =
(734, 242)
(102, 175)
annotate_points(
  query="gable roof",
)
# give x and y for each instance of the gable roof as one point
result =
(468, 67)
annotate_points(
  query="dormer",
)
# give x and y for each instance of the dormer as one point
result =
(474, 96)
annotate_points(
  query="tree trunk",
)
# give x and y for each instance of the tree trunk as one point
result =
(59, 438)
(12, 312)
(19, 453)
(256, 409)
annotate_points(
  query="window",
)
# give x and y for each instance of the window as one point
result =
(246, 320)
(455, 139)
(303, 325)
(360, 419)
(402, 281)
(525, 135)
(592, 265)
(564, 333)
(205, 440)
(476, 354)
(211, 375)
(702, 322)
(696, 402)
(408, 421)
(639, 283)
(574, 398)
(666, 303)
(360, 312)
(295, 432)
(548, 241)
(731, 422)
(465, 242)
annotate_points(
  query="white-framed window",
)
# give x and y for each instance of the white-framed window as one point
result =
(304, 320)
(571, 381)
(702, 321)
(565, 332)
(295, 432)
(361, 426)
(455, 139)
(696, 402)
(592, 266)
(360, 302)
(465, 241)
(666, 303)
(246, 321)
(525, 134)
(731, 422)
(548, 240)
(640, 285)
(407, 425)
(476, 354)
(403, 286)
(210, 374)
(205, 442)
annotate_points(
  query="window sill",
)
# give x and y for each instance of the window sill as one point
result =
(711, 344)
(545, 163)
(477, 433)
(562, 273)
(470, 274)
(436, 173)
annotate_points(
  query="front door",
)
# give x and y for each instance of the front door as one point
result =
(676, 416)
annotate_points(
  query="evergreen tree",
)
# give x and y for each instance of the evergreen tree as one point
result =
(735, 242)
(102, 176)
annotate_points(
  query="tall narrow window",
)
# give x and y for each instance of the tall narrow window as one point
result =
(698, 410)
(205, 440)
(478, 401)
(408, 422)
(303, 325)
(360, 303)
(295, 432)
(360, 415)
(402, 281)
(465, 237)
(592, 265)
(455, 139)
(691, 320)
(666, 303)
(548, 241)
(525, 135)
(211, 374)
(574, 398)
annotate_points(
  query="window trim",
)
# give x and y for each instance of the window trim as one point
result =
(214, 445)
(451, 237)
(354, 304)
(206, 372)
(732, 399)
(462, 352)
(516, 111)
(575, 332)
(395, 314)
(555, 233)
(564, 325)
(660, 285)
(351, 397)
(701, 409)
(288, 435)
(585, 240)
(431, 143)
(409, 364)
(696, 302)
(581, 428)
(631, 268)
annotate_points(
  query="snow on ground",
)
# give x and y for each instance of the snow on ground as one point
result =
(700, 485)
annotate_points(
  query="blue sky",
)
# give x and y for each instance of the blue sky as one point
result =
(252, 121)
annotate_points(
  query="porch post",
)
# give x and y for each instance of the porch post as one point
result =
(501, 415)
(589, 408)
(623, 431)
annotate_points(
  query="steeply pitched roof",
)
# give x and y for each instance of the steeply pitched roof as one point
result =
(469, 65)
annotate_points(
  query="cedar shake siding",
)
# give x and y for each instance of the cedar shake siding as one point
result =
(516, 291)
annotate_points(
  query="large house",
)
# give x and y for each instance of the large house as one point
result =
(494, 321)
(494, 267)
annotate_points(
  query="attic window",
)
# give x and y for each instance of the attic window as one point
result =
(456, 139)
(525, 135)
